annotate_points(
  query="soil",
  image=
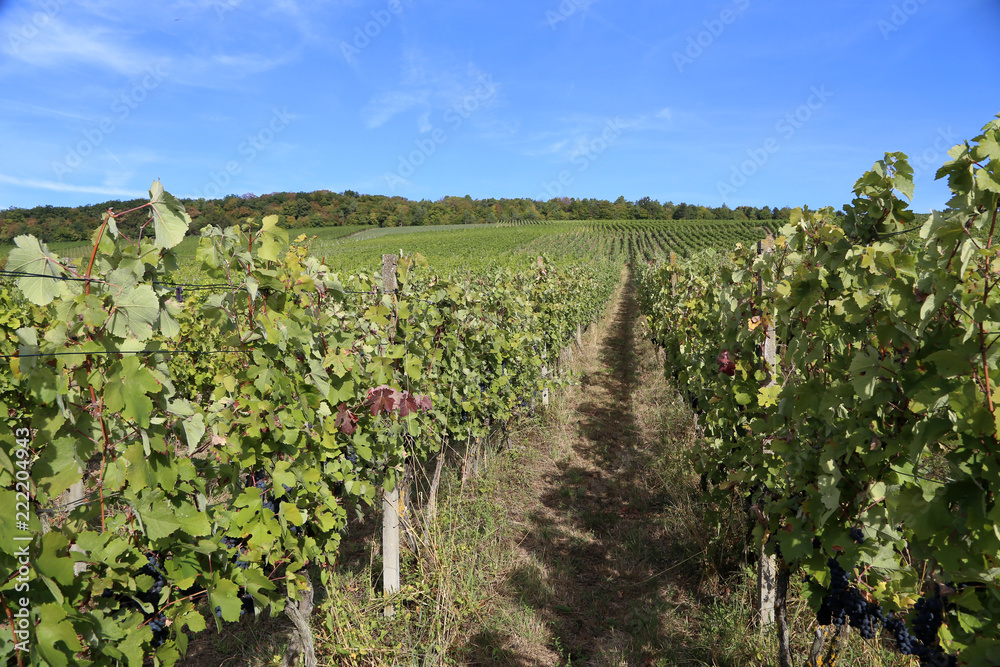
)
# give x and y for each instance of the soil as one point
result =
(601, 562)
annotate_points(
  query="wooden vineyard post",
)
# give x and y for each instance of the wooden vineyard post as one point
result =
(767, 583)
(390, 499)
(545, 352)
(435, 483)
(767, 568)
(773, 576)
(545, 376)
(781, 614)
(673, 274)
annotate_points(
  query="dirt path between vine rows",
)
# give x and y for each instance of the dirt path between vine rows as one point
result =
(605, 569)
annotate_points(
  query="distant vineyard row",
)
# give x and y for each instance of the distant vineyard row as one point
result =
(466, 249)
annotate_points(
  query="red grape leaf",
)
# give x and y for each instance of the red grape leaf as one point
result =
(726, 365)
(346, 420)
(407, 405)
(382, 399)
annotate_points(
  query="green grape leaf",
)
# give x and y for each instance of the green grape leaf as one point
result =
(170, 220)
(292, 514)
(226, 595)
(134, 643)
(282, 476)
(194, 429)
(58, 467)
(207, 255)
(271, 239)
(341, 390)
(317, 373)
(865, 372)
(987, 181)
(32, 256)
(412, 367)
(169, 327)
(160, 519)
(53, 630)
(768, 396)
(127, 391)
(138, 472)
(949, 364)
(52, 562)
(194, 522)
(134, 313)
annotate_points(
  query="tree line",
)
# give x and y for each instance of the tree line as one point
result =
(324, 208)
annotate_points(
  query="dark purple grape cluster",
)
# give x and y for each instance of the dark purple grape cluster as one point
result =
(857, 535)
(906, 642)
(158, 624)
(242, 564)
(239, 546)
(844, 604)
(152, 569)
(151, 596)
(929, 616)
(843, 600)
(929, 619)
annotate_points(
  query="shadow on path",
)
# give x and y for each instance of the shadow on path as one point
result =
(597, 547)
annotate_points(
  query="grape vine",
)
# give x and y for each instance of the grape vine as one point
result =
(877, 448)
(194, 452)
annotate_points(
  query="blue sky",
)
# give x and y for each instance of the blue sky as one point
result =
(739, 101)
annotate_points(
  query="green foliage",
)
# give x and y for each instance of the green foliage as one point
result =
(221, 440)
(884, 418)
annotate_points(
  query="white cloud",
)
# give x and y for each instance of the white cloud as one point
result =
(203, 51)
(384, 107)
(66, 187)
(34, 109)
(438, 87)
(549, 149)
(58, 44)
(251, 63)
(575, 134)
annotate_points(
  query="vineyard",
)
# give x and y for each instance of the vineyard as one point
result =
(464, 247)
(845, 378)
(193, 423)
(185, 443)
